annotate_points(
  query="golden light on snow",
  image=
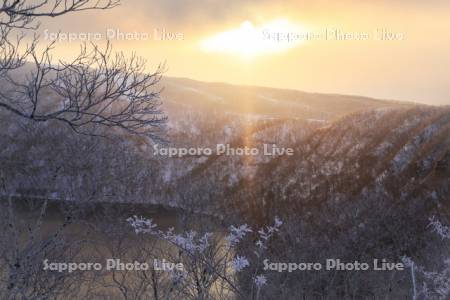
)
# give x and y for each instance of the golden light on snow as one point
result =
(248, 40)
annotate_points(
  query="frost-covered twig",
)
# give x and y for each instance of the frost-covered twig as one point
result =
(442, 230)
(437, 283)
(210, 261)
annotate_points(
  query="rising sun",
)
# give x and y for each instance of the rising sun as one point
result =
(248, 40)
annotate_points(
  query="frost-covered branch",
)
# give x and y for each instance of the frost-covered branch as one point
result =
(436, 284)
(210, 260)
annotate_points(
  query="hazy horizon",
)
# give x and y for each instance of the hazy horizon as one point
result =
(306, 91)
(213, 41)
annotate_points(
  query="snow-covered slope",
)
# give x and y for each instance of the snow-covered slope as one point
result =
(345, 147)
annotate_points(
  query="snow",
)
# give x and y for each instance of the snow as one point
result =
(269, 99)
(208, 96)
(239, 263)
(260, 280)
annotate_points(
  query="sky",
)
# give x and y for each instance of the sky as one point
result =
(384, 49)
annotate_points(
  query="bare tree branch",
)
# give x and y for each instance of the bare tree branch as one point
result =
(97, 90)
(20, 14)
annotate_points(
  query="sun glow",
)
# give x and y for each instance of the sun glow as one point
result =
(249, 40)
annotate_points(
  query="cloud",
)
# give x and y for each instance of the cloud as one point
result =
(192, 10)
